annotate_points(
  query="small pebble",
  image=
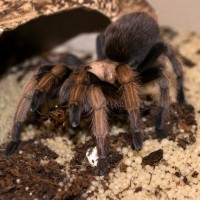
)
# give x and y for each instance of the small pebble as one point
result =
(129, 169)
(165, 142)
(61, 184)
(20, 152)
(138, 160)
(127, 161)
(101, 191)
(130, 154)
(166, 156)
(36, 142)
(18, 180)
(125, 150)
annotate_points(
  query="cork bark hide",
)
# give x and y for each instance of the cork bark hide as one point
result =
(29, 27)
(14, 12)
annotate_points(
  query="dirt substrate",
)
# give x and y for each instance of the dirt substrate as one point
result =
(33, 173)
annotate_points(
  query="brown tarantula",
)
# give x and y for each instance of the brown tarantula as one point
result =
(128, 52)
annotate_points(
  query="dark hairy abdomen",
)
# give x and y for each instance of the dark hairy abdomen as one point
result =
(131, 37)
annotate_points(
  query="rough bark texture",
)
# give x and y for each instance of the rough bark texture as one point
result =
(14, 13)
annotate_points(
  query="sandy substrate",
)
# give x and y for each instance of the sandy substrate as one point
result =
(177, 177)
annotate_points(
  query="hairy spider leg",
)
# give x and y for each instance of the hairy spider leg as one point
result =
(176, 64)
(43, 70)
(20, 115)
(50, 80)
(158, 49)
(150, 70)
(129, 90)
(155, 52)
(156, 72)
(73, 93)
(99, 123)
(164, 105)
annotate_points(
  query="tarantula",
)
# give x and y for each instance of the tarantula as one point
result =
(128, 52)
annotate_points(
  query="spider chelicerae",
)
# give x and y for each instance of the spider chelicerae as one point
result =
(128, 58)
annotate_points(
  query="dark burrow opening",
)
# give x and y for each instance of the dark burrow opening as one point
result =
(46, 32)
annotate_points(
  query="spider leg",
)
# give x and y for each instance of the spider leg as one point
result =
(20, 115)
(13, 144)
(155, 72)
(163, 48)
(73, 93)
(129, 89)
(164, 104)
(47, 82)
(150, 74)
(176, 64)
(99, 123)
(151, 57)
(76, 101)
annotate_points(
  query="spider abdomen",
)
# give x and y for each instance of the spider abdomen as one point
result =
(130, 38)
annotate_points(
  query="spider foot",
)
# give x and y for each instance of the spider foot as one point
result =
(11, 147)
(37, 100)
(181, 97)
(161, 133)
(102, 166)
(137, 140)
(74, 115)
